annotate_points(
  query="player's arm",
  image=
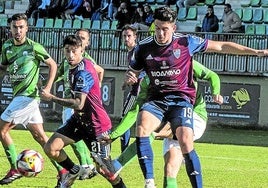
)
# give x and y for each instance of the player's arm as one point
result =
(60, 72)
(233, 48)
(203, 73)
(100, 72)
(51, 73)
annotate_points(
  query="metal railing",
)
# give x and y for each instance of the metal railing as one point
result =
(109, 51)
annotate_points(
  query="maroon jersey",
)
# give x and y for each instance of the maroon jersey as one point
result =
(84, 79)
(168, 66)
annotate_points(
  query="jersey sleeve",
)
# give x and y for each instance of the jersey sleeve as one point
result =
(136, 61)
(196, 44)
(40, 52)
(203, 73)
(83, 81)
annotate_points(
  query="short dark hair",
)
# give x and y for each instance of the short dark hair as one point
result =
(165, 14)
(83, 29)
(130, 27)
(228, 5)
(72, 40)
(210, 6)
(19, 16)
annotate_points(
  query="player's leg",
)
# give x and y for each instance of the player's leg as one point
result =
(182, 125)
(10, 151)
(19, 111)
(148, 121)
(124, 140)
(173, 159)
(80, 150)
(102, 158)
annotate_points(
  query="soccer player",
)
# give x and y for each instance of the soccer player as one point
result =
(22, 57)
(172, 152)
(89, 122)
(79, 148)
(167, 59)
(129, 35)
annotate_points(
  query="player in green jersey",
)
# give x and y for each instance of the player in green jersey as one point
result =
(79, 148)
(22, 57)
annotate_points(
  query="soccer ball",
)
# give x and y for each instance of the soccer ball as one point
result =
(30, 163)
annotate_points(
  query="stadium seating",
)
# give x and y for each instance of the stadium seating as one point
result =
(260, 29)
(255, 3)
(239, 12)
(247, 15)
(265, 16)
(105, 25)
(245, 3)
(250, 29)
(3, 21)
(77, 24)
(219, 2)
(182, 13)
(58, 23)
(96, 24)
(67, 24)
(210, 2)
(114, 24)
(86, 24)
(49, 22)
(192, 13)
(257, 15)
(264, 3)
(40, 22)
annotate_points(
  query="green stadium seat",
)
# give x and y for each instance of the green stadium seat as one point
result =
(9, 4)
(58, 23)
(86, 24)
(210, 2)
(105, 24)
(219, 2)
(247, 15)
(3, 21)
(250, 29)
(220, 28)
(265, 16)
(150, 1)
(160, 2)
(260, 29)
(49, 22)
(68, 24)
(114, 24)
(264, 3)
(31, 21)
(192, 13)
(255, 3)
(96, 24)
(77, 24)
(257, 15)
(245, 3)
(40, 22)
(140, 1)
(2, 6)
(182, 13)
(239, 12)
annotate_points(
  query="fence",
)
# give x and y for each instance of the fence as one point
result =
(106, 48)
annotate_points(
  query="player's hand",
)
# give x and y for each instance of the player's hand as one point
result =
(130, 78)
(262, 52)
(218, 99)
(104, 139)
(45, 94)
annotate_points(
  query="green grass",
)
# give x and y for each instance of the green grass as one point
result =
(242, 164)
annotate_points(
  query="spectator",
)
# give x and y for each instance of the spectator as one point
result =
(186, 3)
(71, 9)
(33, 5)
(112, 8)
(42, 10)
(56, 8)
(210, 22)
(123, 15)
(138, 16)
(231, 21)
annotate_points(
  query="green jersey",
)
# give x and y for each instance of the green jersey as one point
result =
(23, 64)
(200, 72)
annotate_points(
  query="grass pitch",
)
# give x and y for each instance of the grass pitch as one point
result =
(230, 158)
